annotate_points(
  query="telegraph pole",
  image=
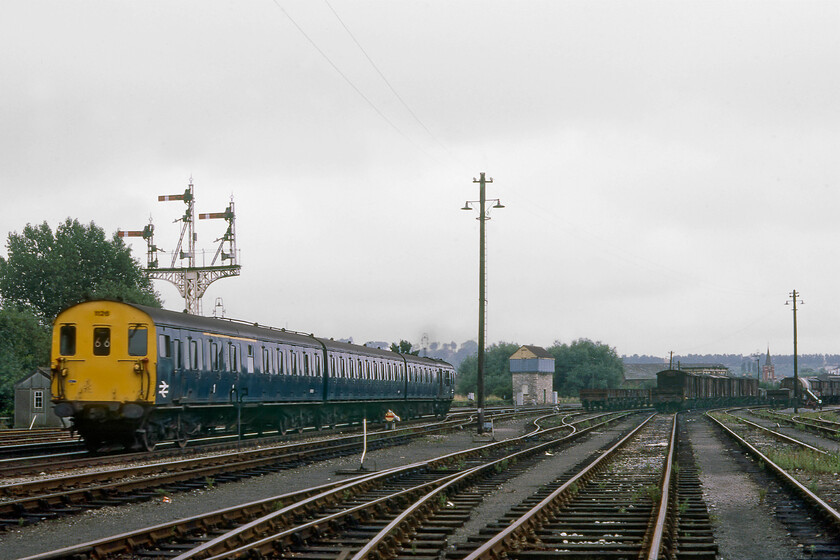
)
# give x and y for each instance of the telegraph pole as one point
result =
(794, 296)
(483, 216)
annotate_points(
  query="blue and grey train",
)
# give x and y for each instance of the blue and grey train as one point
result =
(135, 375)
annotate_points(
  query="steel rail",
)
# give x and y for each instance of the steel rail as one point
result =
(110, 545)
(497, 545)
(663, 516)
(777, 435)
(832, 514)
(218, 549)
(409, 518)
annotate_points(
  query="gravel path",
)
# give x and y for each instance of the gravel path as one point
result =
(744, 525)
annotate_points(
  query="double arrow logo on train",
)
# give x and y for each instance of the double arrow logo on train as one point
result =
(163, 390)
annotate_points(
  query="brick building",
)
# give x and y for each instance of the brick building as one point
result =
(532, 370)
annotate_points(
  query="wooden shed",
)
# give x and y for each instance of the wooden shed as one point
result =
(33, 405)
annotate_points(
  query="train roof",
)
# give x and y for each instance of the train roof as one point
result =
(247, 329)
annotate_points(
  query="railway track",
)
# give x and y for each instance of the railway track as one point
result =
(799, 479)
(18, 436)
(30, 501)
(618, 504)
(286, 520)
(820, 426)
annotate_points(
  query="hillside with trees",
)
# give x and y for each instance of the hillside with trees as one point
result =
(583, 363)
(45, 272)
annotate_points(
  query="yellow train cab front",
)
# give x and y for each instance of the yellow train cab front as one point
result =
(103, 352)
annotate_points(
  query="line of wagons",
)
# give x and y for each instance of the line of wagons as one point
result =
(682, 389)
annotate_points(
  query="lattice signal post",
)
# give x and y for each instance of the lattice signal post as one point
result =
(191, 280)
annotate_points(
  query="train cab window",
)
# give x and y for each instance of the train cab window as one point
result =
(101, 341)
(67, 340)
(138, 340)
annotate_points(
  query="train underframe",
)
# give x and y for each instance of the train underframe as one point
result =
(715, 402)
(144, 426)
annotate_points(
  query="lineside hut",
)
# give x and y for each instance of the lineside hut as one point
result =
(532, 370)
(33, 406)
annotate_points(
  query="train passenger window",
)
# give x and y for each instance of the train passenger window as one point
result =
(67, 340)
(332, 366)
(360, 372)
(234, 358)
(138, 340)
(216, 357)
(101, 341)
(341, 365)
(164, 348)
(266, 361)
(305, 363)
(176, 354)
(194, 354)
(249, 359)
(294, 363)
(281, 361)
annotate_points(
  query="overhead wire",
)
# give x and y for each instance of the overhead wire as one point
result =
(384, 79)
(349, 81)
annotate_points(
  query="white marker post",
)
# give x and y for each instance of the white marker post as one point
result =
(364, 443)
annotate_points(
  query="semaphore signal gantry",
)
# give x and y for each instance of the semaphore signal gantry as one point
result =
(191, 279)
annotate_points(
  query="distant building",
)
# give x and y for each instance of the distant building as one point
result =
(33, 405)
(768, 371)
(532, 371)
(640, 376)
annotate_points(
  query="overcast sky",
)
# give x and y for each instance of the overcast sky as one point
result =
(670, 170)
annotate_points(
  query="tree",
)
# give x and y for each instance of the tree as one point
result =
(585, 364)
(24, 345)
(46, 272)
(497, 378)
(404, 347)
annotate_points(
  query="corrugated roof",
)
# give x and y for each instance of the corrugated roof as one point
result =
(642, 371)
(528, 352)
